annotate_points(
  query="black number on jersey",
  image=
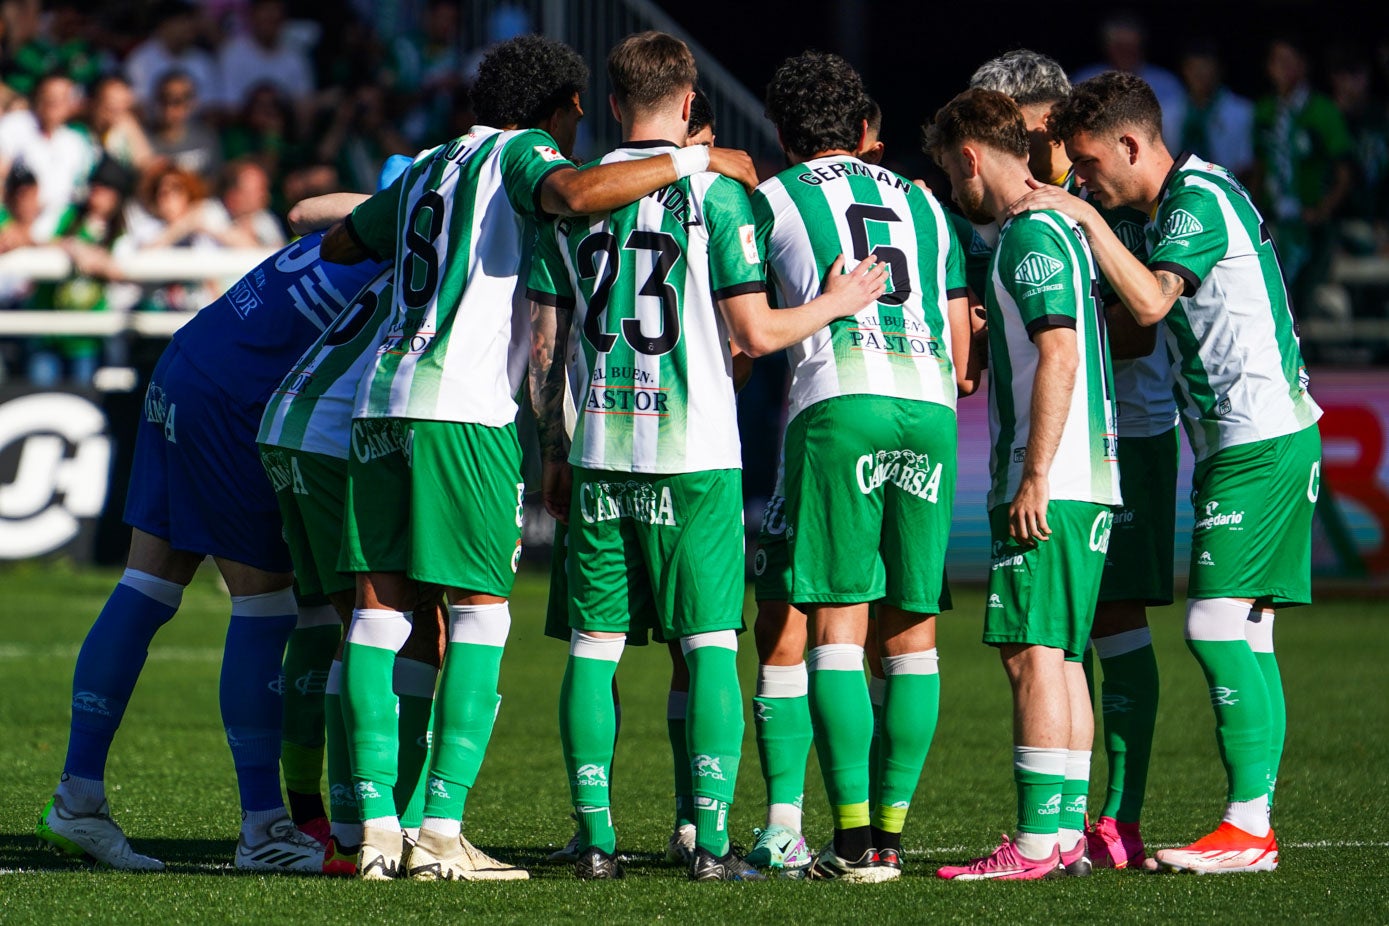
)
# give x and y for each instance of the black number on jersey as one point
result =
(353, 318)
(858, 216)
(1102, 330)
(667, 251)
(422, 258)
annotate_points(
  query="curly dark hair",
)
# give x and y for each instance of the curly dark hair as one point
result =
(1107, 103)
(817, 102)
(701, 112)
(986, 117)
(524, 80)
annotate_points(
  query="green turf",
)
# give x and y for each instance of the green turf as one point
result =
(171, 787)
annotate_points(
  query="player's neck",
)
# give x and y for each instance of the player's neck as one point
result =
(793, 158)
(656, 128)
(1154, 179)
(1006, 190)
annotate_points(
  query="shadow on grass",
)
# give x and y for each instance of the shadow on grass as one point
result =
(26, 852)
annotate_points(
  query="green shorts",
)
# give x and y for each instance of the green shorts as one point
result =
(771, 564)
(1140, 561)
(437, 500)
(310, 488)
(1253, 531)
(870, 486)
(663, 551)
(557, 605)
(1045, 595)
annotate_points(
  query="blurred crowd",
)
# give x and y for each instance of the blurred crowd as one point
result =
(127, 126)
(1313, 150)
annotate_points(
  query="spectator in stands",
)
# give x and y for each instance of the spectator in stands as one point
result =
(19, 210)
(1218, 124)
(361, 137)
(1123, 37)
(115, 125)
(1302, 168)
(86, 234)
(59, 156)
(265, 54)
(426, 71)
(178, 134)
(172, 48)
(62, 47)
(1364, 216)
(264, 130)
(174, 211)
(246, 197)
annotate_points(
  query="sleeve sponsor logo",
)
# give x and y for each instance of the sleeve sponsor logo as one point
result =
(1131, 235)
(747, 236)
(1181, 224)
(1035, 269)
(548, 153)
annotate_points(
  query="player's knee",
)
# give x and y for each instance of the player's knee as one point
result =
(277, 603)
(1216, 620)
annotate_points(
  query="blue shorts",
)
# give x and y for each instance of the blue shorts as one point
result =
(197, 480)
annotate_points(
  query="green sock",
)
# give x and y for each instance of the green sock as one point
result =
(714, 727)
(414, 686)
(1075, 790)
(1128, 705)
(465, 711)
(587, 729)
(1259, 633)
(911, 707)
(781, 718)
(308, 654)
(676, 703)
(877, 693)
(1040, 774)
(1242, 723)
(369, 708)
(342, 798)
(843, 722)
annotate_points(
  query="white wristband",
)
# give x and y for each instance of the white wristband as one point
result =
(691, 160)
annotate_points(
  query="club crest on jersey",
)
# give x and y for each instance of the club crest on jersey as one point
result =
(909, 471)
(1181, 224)
(547, 153)
(1035, 269)
(639, 501)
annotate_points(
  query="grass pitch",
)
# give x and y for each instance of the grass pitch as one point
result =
(171, 786)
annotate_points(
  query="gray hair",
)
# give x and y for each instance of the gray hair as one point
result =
(1026, 76)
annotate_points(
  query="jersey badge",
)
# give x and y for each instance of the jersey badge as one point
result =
(747, 236)
(548, 153)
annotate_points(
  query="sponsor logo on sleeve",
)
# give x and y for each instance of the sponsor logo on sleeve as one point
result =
(747, 236)
(548, 153)
(1181, 224)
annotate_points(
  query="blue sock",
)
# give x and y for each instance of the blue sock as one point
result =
(109, 664)
(251, 693)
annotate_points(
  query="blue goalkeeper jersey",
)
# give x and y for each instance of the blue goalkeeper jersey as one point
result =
(247, 339)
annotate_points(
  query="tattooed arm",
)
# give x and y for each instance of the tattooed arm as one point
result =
(549, 343)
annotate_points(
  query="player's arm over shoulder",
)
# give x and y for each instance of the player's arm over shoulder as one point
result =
(1192, 239)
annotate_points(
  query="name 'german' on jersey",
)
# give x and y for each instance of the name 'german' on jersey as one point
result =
(456, 223)
(808, 215)
(246, 339)
(1044, 276)
(649, 362)
(1242, 378)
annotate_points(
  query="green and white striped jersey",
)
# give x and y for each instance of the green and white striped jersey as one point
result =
(1241, 375)
(1142, 386)
(312, 408)
(808, 215)
(456, 224)
(1044, 276)
(649, 362)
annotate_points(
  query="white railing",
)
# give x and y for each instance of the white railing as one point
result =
(593, 27)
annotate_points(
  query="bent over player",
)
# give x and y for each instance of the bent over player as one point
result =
(197, 489)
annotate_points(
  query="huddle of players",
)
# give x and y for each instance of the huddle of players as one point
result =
(395, 440)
